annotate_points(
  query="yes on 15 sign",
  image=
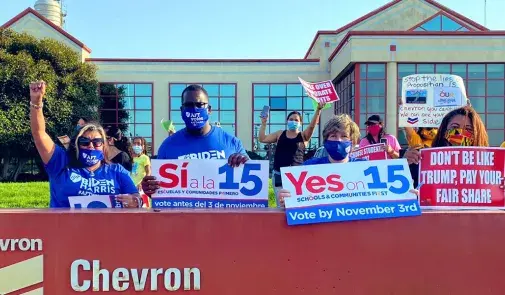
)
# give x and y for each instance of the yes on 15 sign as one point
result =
(199, 183)
(94, 202)
(350, 191)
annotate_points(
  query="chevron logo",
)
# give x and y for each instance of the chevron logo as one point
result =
(412, 120)
(21, 267)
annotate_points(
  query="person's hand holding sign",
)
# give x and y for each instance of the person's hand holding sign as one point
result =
(150, 185)
(413, 156)
(236, 159)
(130, 200)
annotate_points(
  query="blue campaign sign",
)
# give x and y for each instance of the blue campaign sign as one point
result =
(349, 191)
(94, 202)
(196, 183)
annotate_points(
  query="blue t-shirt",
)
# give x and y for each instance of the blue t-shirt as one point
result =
(326, 160)
(64, 181)
(217, 144)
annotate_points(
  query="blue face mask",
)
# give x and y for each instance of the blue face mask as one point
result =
(195, 118)
(77, 127)
(293, 125)
(137, 149)
(90, 157)
(338, 150)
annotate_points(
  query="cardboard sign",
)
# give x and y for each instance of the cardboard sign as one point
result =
(427, 98)
(210, 184)
(321, 91)
(462, 178)
(94, 202)
(370, 152)
(350, 191)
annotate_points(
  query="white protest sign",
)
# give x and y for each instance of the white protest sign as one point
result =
(196, 183)
(350, 191)
(94, 201)
(427, 98)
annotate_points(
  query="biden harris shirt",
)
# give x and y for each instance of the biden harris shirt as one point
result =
(65, 181)
(217, 144)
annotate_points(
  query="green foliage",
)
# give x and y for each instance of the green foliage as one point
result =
(36, 195)
(71, 89)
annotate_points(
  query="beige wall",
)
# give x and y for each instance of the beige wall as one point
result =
(34, 26)
(400, 17)
(244, 74)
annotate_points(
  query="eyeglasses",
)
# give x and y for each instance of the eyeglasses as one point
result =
(197, 104)
(84, 141)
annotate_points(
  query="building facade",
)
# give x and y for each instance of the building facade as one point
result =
(366, 59)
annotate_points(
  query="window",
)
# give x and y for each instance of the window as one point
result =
(485, 87)
(372, 93)
(346, 92)
(222, 99)
(441, 22)
(282, 99)
(130, 108)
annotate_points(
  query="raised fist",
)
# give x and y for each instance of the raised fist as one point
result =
(37, 91)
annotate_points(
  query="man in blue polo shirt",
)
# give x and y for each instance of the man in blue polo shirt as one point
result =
(200, 139)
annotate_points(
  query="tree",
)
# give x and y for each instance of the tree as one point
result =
(71, 93)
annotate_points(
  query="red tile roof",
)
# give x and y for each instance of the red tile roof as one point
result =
(51, 24)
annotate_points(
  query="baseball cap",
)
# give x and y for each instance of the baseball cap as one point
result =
(373, 119)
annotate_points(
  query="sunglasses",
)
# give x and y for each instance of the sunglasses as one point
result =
(84, 141)
(190, 104)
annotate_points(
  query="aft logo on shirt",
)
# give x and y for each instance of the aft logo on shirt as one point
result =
(212, 154)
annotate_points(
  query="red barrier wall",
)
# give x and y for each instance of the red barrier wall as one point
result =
(250, 253)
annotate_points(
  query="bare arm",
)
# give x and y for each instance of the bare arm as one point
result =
(307, 133)
(44, 144)
(148, 170)
(270, 138)
(408, 133)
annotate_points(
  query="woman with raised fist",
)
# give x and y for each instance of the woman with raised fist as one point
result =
(83, 170)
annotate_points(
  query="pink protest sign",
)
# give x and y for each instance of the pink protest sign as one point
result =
(370, 152)
(321, 91)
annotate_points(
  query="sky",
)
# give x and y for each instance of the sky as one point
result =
(219, 28)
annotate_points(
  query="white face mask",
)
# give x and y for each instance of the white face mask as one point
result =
(137, 149)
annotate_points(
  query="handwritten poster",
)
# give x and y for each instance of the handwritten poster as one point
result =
(427, 98)
(321, 91)
(462, 178)
(370, 152)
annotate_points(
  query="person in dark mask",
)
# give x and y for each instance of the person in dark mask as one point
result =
(83, 170)
(460, 127)
(118, 147)
(200, 139)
